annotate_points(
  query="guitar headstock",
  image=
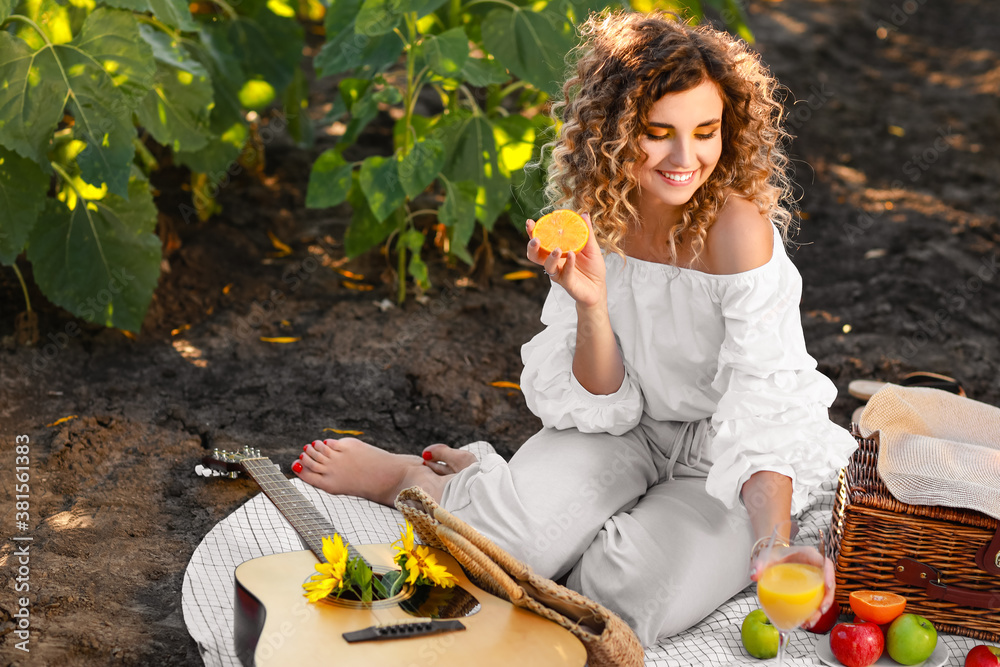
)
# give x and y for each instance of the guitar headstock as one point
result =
(220, 462)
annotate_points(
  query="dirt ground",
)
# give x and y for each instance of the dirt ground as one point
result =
(896, 114)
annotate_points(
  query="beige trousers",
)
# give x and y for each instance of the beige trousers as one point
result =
(627, 517)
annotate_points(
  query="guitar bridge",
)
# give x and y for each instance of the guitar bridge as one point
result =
(403, 630)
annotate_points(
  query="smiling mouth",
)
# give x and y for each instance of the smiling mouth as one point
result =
(681, 178)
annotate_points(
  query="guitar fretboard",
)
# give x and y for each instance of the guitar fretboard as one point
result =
(296, 508)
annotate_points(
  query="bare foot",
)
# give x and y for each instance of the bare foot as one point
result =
(444, 460)
(351, 467)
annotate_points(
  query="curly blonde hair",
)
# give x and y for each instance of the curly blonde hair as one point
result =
(625, 63)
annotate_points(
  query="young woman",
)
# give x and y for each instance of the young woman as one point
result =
(683, 417)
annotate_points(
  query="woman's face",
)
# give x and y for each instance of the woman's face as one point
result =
(682, 141)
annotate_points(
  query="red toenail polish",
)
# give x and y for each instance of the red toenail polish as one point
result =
(427, 456)
(301, 455)
(316, 443)
(305, 448)
(297, 467)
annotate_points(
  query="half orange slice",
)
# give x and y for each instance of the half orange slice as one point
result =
(877, 606)
(561, 229)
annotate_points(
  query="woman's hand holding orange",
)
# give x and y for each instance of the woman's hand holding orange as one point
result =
(581, 274)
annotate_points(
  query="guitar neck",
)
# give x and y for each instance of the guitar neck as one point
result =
(296, 508)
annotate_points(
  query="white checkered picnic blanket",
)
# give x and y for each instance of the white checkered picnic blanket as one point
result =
(258, 529)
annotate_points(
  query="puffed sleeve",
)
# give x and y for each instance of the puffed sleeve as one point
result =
(773, 414)
(551, 390)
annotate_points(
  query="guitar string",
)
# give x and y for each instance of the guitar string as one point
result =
(298, 509)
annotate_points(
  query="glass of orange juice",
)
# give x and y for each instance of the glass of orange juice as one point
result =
(790, 579)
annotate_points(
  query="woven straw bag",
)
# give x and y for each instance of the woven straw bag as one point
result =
(609, 641)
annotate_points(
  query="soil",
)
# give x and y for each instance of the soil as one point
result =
(896, 116)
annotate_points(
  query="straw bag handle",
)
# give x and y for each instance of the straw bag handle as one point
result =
(921, 575)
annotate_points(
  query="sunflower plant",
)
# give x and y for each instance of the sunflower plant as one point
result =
(417, 564)
(342, 575)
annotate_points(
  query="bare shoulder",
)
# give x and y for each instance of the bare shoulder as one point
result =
(740, 239)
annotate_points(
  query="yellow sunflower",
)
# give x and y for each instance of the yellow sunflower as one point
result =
(330, 577)
(418, 563)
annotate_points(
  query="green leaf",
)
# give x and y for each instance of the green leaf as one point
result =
(444, 54)
(379, 588)
(734, 16)
(359, 96)
(59, 20)
(329, 180)
(218, 157)
(23, 188)
(365, 230)
(379, 17)
(352, 91)
(422, 7)
(174, 13)
(579, 10)
(532, 45)
(388, 95)
(101, 260)
(515, 138)
(103, 72)
(418, 168)
(421, 127)
(266, 45)
(458, 212)
(347, 48)
(528, 189)
(413, 241)
(177, 111)
(6, 9)
(483, 72)
(227, 76)
(300, 126)
(474, 156)
(379, 180)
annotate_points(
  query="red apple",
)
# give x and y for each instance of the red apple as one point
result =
(856, 644)
(983, 656)
(884, 627)
(826, 621)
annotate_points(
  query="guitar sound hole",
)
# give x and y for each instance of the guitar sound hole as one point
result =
(420, 601)
(440, 603)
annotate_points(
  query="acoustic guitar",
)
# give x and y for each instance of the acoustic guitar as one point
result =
(422, 625)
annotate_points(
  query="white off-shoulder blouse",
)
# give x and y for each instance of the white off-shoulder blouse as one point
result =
(696, 346)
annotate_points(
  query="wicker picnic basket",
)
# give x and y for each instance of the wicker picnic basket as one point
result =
(945, 561)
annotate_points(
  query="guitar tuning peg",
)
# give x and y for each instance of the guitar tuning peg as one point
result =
(202, 470)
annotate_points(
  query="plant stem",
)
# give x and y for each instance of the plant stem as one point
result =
(160, 25)
(401, 293)
(27, 21)
(499, 2)
(226, 7)
(69, 181)
(423, 211)
(24, 288)
(455, 14)
(148, 159)
(411, 92)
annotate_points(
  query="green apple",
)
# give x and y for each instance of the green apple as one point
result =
(911, 639)
(760, 638)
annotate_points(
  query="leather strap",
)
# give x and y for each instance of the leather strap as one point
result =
(921, 575)
(988, 556)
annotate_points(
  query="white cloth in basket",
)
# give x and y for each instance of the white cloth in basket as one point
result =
(936, 448)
